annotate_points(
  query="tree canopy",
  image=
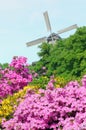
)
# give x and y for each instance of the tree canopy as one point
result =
(67, 57)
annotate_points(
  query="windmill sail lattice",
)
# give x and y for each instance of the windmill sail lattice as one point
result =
(53, 36)
(47, 21)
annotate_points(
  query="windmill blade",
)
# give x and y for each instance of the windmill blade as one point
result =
(68, 29)
(37, 41)
(47, 21)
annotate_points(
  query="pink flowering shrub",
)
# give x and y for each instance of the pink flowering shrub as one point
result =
(52, 109)
(15, 77)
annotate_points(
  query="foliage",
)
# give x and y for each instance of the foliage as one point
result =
(60, 82)
(9, 104)
(66, 58)
(15, 77)
(46, 103)
(57, 109)
(3, 66)
(41, 81)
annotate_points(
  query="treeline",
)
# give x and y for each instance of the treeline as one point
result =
(66, 58)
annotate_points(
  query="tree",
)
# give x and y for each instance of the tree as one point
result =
(67, 57)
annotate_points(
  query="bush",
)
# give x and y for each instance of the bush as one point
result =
(52, 109)
(15, 77)
(9, 104)
(40, 81)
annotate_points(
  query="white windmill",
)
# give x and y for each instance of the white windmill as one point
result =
(53, 36)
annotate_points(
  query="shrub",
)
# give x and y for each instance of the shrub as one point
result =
(15, 77)
(9, 105)
(40, 81)
(52, 109)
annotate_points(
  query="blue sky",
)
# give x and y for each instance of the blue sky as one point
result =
(22, 21)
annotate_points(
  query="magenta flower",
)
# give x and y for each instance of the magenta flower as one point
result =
(52, 109)
(15, 77)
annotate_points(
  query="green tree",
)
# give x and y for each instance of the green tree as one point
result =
(66, 57)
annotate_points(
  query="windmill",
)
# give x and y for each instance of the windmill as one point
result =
(53, 36)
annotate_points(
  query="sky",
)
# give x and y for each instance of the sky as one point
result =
(22, 21)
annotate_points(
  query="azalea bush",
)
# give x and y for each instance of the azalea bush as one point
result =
(51, 109)
(14, 77)
(9, 104)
